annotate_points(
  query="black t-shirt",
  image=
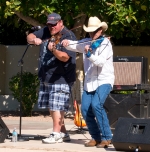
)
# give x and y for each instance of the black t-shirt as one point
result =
(52, 70)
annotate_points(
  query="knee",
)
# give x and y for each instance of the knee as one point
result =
(101, 106)
(97, 106)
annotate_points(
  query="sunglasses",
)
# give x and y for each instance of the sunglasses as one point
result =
(52, 25)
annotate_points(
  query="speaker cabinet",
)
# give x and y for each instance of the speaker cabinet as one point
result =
(130, 71)
(4, 131)
(132, 134)
(133, 105)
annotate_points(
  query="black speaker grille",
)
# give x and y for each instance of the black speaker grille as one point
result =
(132, 133)
(4, 131)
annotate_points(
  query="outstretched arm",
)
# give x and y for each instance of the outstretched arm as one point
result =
(75, 46)
(32, 39)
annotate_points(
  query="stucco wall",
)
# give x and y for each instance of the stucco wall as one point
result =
(2, 68)
(13, 56)
(10, 55)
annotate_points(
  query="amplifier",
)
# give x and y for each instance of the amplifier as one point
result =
(130, 71)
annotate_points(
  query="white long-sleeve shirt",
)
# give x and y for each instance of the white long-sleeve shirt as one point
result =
(98, 68)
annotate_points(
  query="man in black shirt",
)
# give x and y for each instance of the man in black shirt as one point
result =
(56, 73)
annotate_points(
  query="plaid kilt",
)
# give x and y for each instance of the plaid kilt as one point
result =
(54, 96)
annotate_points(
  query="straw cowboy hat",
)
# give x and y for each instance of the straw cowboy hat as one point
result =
(94, 23)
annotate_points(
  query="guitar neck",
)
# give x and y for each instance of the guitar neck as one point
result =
(80, 77)
(81, 88)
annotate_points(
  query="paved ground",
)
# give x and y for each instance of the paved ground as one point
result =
(39, 126)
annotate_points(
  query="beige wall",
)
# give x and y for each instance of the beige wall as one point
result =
(13, 55)
(2, 68)
(10, 55)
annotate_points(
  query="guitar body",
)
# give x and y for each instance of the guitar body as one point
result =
(78, 119)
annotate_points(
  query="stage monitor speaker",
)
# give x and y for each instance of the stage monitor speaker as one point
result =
(130, 70)
(132, 134)
(4, 131)
(133, 105)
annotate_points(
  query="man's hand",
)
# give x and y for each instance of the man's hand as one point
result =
(52, 46)
(87, 48)
(32, 39)
(65, 43)
(37, 41)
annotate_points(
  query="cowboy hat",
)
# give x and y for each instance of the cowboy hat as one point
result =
(94, 23)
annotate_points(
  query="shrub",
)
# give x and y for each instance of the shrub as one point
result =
(28, 93)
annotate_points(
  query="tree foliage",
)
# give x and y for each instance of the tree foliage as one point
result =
(127, 19)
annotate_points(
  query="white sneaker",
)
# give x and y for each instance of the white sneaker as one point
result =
(53, 138)
(65, 137)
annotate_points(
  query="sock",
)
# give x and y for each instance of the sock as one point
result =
(56, 133)
(62, 133)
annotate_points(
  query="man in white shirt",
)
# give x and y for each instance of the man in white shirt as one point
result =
(99, 79)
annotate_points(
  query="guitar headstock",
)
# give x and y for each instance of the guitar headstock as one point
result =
(81, 76)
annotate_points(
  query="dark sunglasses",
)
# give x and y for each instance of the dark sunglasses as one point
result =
(51, 25)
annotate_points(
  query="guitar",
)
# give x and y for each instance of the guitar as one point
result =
(78, 118)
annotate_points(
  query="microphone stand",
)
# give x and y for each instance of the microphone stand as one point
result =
(20, 63)
(20, 136)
